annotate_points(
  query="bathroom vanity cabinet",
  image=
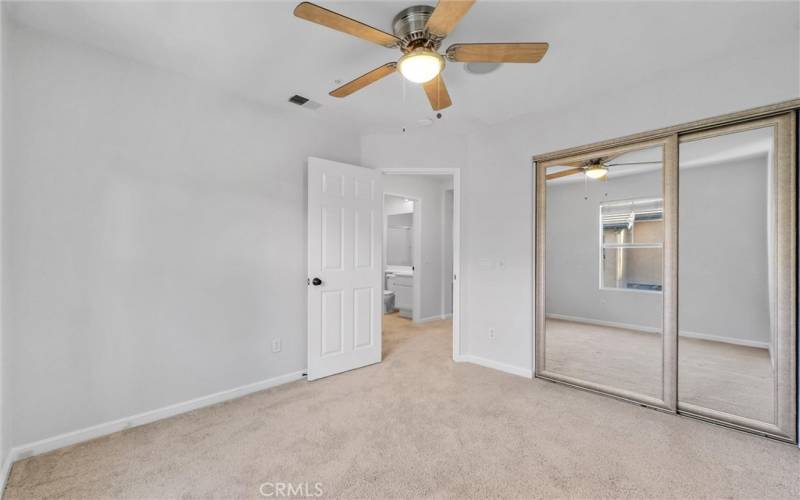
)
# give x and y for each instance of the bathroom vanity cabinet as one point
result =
(403, 288)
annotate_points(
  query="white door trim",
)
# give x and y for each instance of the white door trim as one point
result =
(457, 272)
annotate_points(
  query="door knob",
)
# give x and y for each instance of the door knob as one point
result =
(316, 282)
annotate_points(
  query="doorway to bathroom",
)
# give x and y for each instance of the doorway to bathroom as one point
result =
(421, 260)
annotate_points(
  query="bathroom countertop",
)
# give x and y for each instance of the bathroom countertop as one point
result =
(400, 270)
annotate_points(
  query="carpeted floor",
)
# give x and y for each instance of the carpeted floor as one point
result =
(419, 425)
(731, 378)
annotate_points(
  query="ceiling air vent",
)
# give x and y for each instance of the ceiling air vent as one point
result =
(304, 102)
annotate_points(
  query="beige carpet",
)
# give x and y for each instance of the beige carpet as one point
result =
(726, 377)
(419, 425)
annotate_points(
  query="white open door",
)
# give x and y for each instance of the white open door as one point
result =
(345, 280)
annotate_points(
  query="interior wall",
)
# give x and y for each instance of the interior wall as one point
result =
(430, 206)
(724, 275)
(399, 241)
(155, 235)
(447, 250)
(497, 181)
(573, 265)
(4, 359)
(723, 280)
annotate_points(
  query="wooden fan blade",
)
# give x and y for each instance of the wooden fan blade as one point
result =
(437, 93)
(497, 52)
(564, 173)
(446, 15)
(329, 18)
(364, 80)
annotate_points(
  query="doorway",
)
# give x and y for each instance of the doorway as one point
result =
(421, 225)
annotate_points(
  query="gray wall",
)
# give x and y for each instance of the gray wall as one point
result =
(399, 240)
(447, 243)
(573, 264)
(155, 236)
(723, 252)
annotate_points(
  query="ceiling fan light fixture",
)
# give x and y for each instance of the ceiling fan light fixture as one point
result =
(596, 171)
(421, 65)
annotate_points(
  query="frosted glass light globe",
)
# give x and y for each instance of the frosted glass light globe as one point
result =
(421, 65)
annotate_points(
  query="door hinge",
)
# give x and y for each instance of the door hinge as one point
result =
(308, 281)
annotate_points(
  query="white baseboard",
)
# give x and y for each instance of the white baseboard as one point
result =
(495, 365)
(433, 318)
(95, 431)
(725, 340)
(649, 329)
(612, 324)
(4, 473)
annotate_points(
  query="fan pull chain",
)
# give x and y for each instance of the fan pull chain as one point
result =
(585, 187)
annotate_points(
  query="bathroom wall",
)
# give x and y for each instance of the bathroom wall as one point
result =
(5, 365)
(447, 248)
(399, 241)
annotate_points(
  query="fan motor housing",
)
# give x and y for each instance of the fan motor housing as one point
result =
(409, 27)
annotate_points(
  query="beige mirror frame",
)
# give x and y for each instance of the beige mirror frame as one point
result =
(784, 207)
(783, 116)
(667, 401)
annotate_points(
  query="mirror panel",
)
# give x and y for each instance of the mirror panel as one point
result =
(604, 271)
(727, 274)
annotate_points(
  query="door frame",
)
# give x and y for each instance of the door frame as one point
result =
(457, 274)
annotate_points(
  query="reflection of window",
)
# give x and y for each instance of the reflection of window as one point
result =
(631, 244)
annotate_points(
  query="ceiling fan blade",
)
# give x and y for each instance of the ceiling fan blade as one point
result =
(497, 52)
(564, 173)
(329, 18)
(437, 93)
(633, 163)
(446, 15)
(364, 80)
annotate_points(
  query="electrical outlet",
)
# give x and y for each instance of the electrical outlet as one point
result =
(276, 345)
(491, 333)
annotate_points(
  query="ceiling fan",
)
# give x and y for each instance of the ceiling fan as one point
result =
(595, 168)
(418, 33)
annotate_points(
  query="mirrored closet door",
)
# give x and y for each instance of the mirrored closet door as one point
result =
(666, 270)
(736, 339)
(604, 258)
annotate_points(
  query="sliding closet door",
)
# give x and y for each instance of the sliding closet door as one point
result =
(604, 271)
(737, 276)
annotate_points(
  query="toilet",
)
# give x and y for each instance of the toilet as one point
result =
(388, 301)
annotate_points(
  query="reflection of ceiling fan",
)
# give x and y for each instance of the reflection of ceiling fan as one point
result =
(595, 168)
(418, 32)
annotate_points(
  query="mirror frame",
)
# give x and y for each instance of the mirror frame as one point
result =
(785, 288)
(667, 402)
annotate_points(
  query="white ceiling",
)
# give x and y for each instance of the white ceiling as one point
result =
(262, 52)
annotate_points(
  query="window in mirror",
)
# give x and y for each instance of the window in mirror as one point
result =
(631, 244)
